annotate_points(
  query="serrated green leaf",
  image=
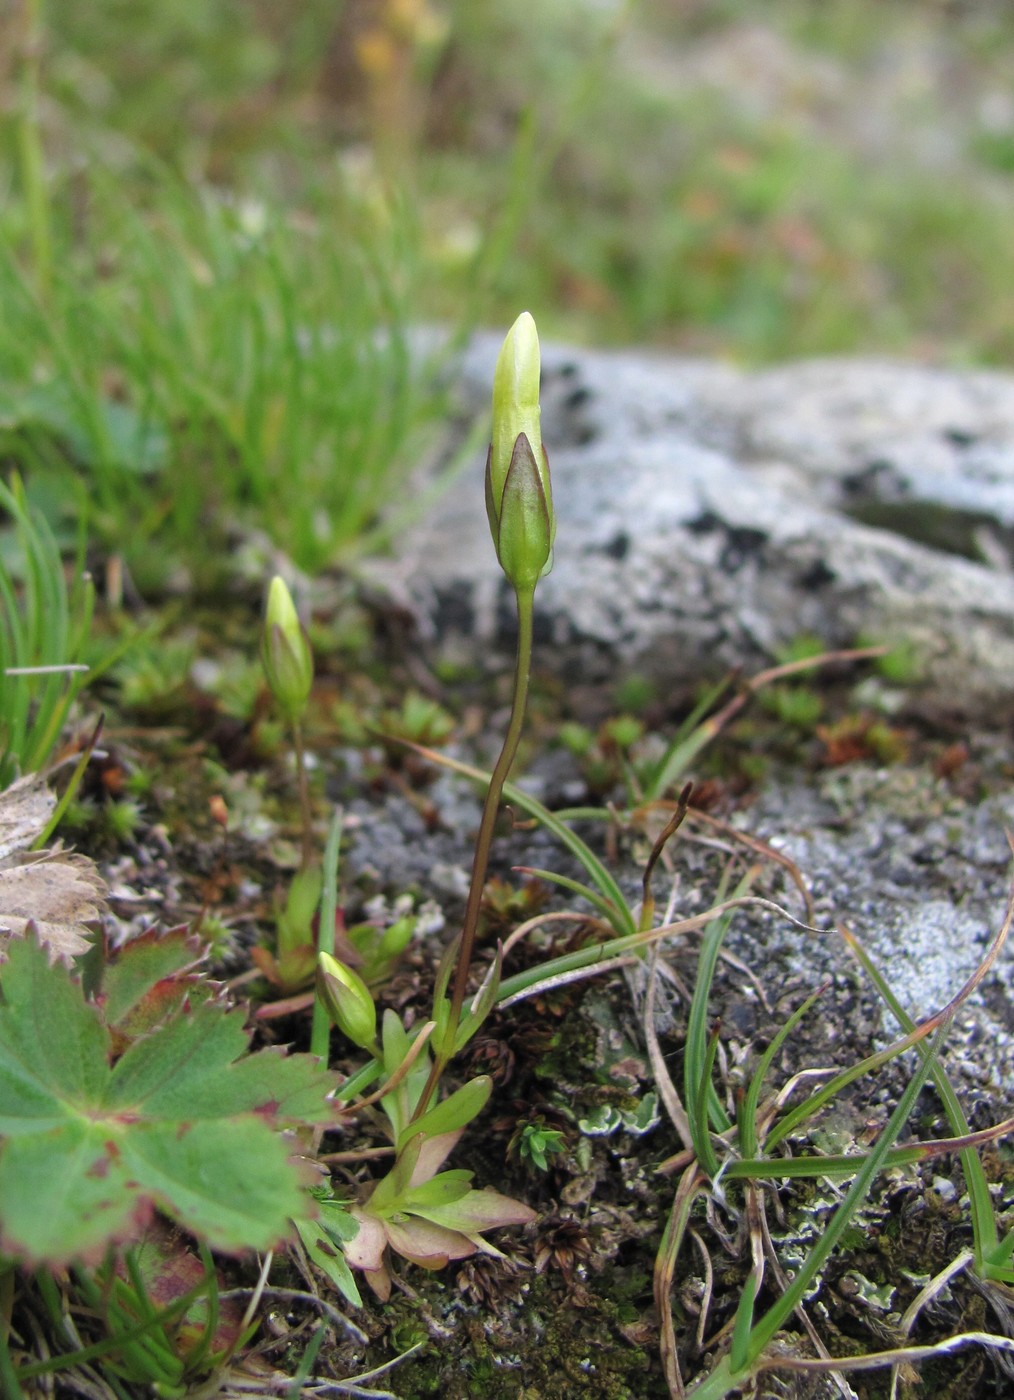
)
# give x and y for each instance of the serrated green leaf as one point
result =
(52, 1047)
(142, 985)
(231, 1181)
(62, 1195)
(192, 1068)
(171, 1071)
(186, 1121)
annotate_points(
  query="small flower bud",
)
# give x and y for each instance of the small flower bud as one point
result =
(519, 500)
(347, 1000)
(285, 652)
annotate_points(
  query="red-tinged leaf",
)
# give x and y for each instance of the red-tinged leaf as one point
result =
(380, 1281)
(426, 1244)
(433, 1153)
(170, 1270)
(186, 1121)
(66, 1187)
(366, 1249)
(148, 979)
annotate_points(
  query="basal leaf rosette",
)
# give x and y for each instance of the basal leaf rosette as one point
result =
(427, 1216)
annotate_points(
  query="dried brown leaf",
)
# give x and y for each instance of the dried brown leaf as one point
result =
(25, 808)
(57, 892)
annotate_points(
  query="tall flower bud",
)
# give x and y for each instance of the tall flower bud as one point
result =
(285, 652)
(519, 499)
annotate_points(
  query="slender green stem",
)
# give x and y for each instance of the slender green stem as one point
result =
(484, 842)
(305, 811)
(320, 1030)
(491, 807)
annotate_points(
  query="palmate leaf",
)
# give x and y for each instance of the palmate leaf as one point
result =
(149, 978)
(186, 1121)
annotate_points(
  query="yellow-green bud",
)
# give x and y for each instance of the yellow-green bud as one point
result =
(519, 499)
(285, 652)
(347, 1001)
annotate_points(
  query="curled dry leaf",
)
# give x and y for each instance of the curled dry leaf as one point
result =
(25, 808)
(56, 891)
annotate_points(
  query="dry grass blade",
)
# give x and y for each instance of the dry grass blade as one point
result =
(691, 1184)
(564, 979)
(802, 1316)
(399, 1074)
(538, 920)
(709, 1288)
(660, 1070)
(878, 1360)
(664, 836)
(926, 1295)
(761, 848)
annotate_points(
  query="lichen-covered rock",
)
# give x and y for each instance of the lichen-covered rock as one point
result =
(708, 516)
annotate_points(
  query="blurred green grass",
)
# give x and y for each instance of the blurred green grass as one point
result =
(250, 206)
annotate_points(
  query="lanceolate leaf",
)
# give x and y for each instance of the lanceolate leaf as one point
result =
(186, 1121)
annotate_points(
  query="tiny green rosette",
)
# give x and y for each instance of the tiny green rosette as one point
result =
(519, 500)
(347, 1001)
(285, 652)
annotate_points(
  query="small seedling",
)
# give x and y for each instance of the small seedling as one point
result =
(535, 1143)
(420, 720)
(290, 967)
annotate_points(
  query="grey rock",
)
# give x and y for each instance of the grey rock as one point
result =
(708, 516)
(922, 879)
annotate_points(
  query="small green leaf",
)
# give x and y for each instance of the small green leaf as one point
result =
(743, 1323)
(478, 1210)
(454, 1112)
(440, 1190)
(395, 1041)
(320, 1240)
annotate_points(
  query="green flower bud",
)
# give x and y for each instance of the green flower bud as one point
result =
(519, 500)
(285, 652)
(347, 1000)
